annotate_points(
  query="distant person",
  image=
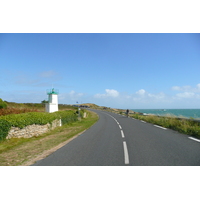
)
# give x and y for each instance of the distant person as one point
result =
(127, 112)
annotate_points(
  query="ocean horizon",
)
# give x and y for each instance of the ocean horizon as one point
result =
(187, 113)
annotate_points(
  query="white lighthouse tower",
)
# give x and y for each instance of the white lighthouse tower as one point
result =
(52, 105)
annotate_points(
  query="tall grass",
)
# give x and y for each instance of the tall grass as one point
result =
(186, 126)
(8, 111)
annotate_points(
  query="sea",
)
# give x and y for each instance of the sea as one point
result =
(182, 113)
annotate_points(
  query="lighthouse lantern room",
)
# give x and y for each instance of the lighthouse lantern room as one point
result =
(52, 105)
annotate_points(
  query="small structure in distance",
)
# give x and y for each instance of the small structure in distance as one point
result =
(52, 105)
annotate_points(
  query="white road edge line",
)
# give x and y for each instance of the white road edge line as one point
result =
(160, 127)
(143, 121)
(126, 156)
(122, 133)
(194, 139)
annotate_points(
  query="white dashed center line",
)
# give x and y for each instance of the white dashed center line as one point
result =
(122, 133)
(126, 156)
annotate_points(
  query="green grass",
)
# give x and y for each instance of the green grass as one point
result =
(185, 126)
(18, 151)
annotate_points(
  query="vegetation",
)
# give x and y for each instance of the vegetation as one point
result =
(16, 151)
(17, 108)
(186, 126)
(24, 151)
(41, 118)
(3, 104)
(4, 128)
(44, 101)
(35, 106)
(8, 111)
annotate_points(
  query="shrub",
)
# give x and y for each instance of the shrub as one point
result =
(66, 116)
(2, 104)
(4, 128)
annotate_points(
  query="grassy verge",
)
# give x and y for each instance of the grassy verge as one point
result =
(189, 127)
(15, 152)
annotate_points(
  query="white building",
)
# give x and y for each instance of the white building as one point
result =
(52, 105)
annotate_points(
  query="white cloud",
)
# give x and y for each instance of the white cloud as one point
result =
(186, 95)
(145, 95)
(109, 93)
(187, 88)
(141, 92)
(160, 95)
(112, 93)
(140, 99)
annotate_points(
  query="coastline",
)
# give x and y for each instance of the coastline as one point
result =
(178, 113)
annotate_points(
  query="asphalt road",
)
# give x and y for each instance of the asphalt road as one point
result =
(116, 140)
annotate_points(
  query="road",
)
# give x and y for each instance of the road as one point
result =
(116, 140)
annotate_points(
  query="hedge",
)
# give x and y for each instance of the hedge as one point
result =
(41, 118)
(4, 128)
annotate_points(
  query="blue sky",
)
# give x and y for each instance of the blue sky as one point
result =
(120, 70)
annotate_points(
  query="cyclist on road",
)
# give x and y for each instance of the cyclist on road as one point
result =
(127, 112)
